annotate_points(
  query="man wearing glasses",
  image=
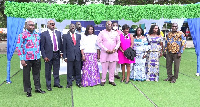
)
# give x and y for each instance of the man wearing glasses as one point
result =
(174, 45)
(28, 48)
(51, 47)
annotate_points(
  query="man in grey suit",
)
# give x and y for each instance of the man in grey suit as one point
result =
(51, 47)
(72, 55)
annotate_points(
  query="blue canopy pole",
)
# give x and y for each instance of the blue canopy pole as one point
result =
(14, 28)
(195, 33)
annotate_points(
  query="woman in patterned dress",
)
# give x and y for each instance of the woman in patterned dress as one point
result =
(155, 52)
(126, 42)
(90, 55)
(138, 72)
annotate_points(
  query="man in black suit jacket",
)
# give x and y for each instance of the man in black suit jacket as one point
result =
(72, 55)
(51, 47)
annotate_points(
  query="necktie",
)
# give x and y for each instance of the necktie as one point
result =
(54, 42)
(73, 38)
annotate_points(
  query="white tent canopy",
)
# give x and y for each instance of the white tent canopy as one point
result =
(61, 25)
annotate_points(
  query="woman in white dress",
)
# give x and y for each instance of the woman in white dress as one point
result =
(90, 56)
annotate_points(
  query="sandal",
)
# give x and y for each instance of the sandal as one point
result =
(127, 82)
(122, 80)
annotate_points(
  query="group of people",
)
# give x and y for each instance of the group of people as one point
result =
(82, 50)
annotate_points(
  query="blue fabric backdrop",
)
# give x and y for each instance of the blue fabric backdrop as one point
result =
(194, 25)
(14, 28)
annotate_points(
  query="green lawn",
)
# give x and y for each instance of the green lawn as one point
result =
(184, 93)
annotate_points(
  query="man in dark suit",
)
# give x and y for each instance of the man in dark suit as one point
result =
(51, 47)
(72, 55)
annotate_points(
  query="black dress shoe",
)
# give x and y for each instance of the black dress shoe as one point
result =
(112, 83)
(79, 85)
(40, 91)
(28, 94)
(102, 83)
(49, 88)
(117, 76)
(173, 81)
(168, 79)
(68, 86)
(59, 86)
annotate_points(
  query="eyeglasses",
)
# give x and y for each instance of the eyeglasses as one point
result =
(174, 26)
(52, 24)
(31, 24)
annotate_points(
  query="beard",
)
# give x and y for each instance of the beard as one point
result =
(79, 28)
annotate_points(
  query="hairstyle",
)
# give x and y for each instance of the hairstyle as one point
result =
(87, 30)
(136, 31)
(151, 30)
(125, 27)
(114, 22)
(78, 22)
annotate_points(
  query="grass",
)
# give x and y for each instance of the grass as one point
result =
(14, 66)
(185, 92)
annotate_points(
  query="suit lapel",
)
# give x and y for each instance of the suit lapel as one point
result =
(70, 38)
(77, 37)
(49, 37)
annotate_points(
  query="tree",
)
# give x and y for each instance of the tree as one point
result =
(3, 17)
(162, 2)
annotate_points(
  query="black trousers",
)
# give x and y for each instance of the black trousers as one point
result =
(74, 72)
(35, 65)
(71, 67)
(55, 62)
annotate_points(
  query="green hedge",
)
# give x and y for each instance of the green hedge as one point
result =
(99, 12)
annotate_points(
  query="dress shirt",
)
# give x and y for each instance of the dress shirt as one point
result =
(175, 42)
(89, 43)
(72, 35)
(28, 46)
(51, 34)
(119, 32)
(108, 41)
(81, 33)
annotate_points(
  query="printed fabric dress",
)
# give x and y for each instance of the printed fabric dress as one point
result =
(125, 44)
(90, 75)
(138, 72)
(153, 58)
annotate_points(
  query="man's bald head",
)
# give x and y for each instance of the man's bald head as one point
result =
(174, 27)
(78, 25)
(108, 25)
(51, 24)
(175, 24)
(50, 21)
(72, 28)
(30, 22)
(30, 26)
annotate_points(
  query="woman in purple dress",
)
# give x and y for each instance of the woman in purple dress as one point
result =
(90, 55)
(155, 52)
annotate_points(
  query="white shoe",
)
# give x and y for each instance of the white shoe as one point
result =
(197, 74)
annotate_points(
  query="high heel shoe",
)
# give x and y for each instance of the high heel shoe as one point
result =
(122, 80)
(127, 82)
